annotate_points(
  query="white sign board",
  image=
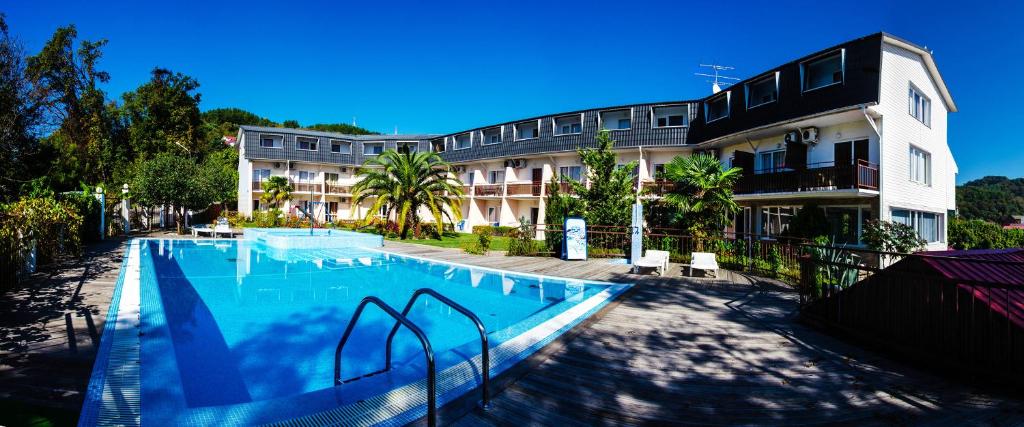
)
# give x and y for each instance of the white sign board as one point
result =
(637, 233)
(574, 239)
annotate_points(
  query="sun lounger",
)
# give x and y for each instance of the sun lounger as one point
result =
(703, 261)
(222, 227)
(203, 228)
(657, 260)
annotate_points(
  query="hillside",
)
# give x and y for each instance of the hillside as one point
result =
(992, 198)
(229, 119)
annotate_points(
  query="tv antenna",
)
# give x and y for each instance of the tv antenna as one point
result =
(716, 84)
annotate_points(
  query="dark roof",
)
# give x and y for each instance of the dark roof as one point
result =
(310, 132)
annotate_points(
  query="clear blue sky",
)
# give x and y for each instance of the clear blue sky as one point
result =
(433, 68)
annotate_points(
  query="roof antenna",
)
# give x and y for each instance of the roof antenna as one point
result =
(353, 121)
(396, 129)
(716, 85)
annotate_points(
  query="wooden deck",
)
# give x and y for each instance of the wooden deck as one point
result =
(674, 351)
(715, 352)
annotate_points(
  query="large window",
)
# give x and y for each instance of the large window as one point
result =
(568, 125)
(306, 143)
(463, 141)
(527, 130)
(616, 120)
(771, 161)
(928, 225)
(825, 71)
(491, 136)
(260, 175)
(763, 91)
(331, 178)
(920, 106)
(920, 166)
(573, 172)
(341, 147)
(373, 148)
(307, 176)
(775, 219)
(407, 146)
(271, 141)
(669, 116)
(846, 223)
(496, 177)
(717, 108)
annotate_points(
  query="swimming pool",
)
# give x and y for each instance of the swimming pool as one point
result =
(241, 332)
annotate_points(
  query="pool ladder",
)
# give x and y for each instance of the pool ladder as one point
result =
(402, 320)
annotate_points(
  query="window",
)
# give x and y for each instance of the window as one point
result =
(407, 146)
(271, 141)
(259, 175)
(463, 141)
(659, 171)
(373, 148)
(920, 166)
(763, 91)
(341, 147)
(616, 120)
(496, 177)
(527, 130)
(573, 172)
(491, 136)
(824, 71)
(928, 225)
(771, 161)
(568, 125)
(306, 143)
(717, 108)
(306, 176)
(920, 106)
(669, 116)
(775, 220)
(331, 178)
(846, 223)
(437, 145)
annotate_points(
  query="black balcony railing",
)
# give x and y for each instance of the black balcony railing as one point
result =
(817, 177)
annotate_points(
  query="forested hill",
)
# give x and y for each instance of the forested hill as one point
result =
(229, 119)
(992, 198)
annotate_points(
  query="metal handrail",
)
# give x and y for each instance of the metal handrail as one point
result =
(484, 349)
(427, 350)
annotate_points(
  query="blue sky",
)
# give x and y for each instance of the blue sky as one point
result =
(428, 67)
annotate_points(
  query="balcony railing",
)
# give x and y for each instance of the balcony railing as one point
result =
(338, 189)
(817, 177)
(306, 187)
(257, 185)
(467, 190)
(524, 189)
(487, 190)
(659, 188)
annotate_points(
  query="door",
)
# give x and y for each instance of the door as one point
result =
(534, 215)
(843, 159)
(537, 180)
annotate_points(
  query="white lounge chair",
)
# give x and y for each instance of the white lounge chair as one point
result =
(657, 260)
(703, 261)
(202, 228)
(223, 227)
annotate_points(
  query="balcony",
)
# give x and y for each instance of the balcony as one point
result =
(334, 188)
(305, 187)
(487, 190)
(524, 189)
(565, 188)
(817, 177)
(659, 188)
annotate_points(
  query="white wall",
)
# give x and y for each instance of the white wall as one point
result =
(823, 152)
(900, 67)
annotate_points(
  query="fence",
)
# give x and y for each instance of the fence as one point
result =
(957, 313)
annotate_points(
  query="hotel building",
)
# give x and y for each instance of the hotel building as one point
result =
(858, 129)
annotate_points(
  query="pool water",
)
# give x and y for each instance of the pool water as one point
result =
(229, 323)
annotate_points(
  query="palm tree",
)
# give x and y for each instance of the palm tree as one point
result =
(703, 192)
(403, 183)
(276, 191)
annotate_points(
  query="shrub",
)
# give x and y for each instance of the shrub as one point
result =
(499, 231)
(483, 243)
(52, 226)
(888, 236)
(522, 242)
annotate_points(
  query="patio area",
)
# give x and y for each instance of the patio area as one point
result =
(674, 350)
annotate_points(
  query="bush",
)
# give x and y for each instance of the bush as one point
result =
(522, 242)
(483, 243)
(53, 226)
(89, 209)
(499, 231)
(979, 234)
(888, 236)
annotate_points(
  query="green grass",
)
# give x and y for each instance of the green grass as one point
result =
(458, 240)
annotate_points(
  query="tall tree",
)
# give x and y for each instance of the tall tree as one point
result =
(84, 135)
(276, 190)
(164, 115)
(610, 196)
(703, 192)
(169, 179)
(21, 116)
(403, 183)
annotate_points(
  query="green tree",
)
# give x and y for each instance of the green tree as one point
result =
(609, 198)
(293, 124)
(276, 191)
(173, 180)
(702, 193)
(341, 128)
(21, 115)
(404, 183)
(992, 198)
(84, 127)
(164, 115)
(888, 236)
(221, 169)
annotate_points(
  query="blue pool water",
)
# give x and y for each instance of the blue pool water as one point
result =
(240, 324)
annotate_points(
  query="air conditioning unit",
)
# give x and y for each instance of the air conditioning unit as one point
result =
(519, 163)
(809, 135)
(459, 169)
(277, 165)
(792, 137)
(510, 163)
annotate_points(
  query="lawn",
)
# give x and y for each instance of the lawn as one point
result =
(459, 240)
